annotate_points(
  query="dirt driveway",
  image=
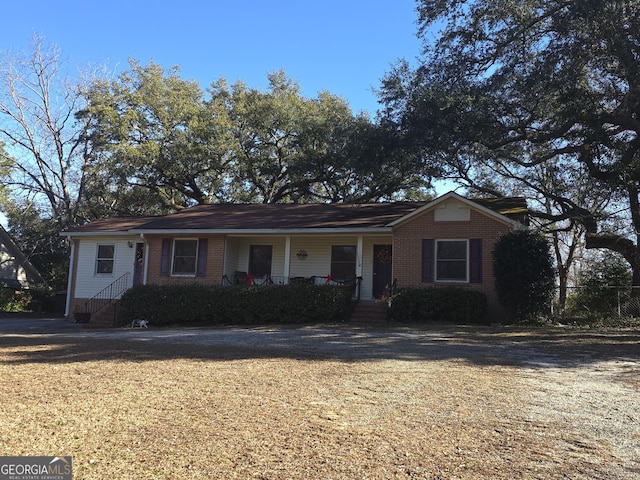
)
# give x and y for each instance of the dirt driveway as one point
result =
(326, 402)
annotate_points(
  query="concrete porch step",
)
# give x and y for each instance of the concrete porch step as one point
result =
(103, 318)
(369, 311)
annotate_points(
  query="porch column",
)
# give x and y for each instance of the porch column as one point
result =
(359, 248)
(145, 265)
(287, 258)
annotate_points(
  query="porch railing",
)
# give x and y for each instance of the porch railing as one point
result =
(241, 278)
(107, 295)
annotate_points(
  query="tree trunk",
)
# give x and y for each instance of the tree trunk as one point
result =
(562, 287)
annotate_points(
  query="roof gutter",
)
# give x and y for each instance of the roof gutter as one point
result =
(119, 233)
(263, 231)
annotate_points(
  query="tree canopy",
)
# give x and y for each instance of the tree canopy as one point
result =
(512, 88)
(160, 143)
(150, 142)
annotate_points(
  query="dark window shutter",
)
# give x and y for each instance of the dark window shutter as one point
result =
(165, 257)
(201, 270)
(427, 259)
(475, 260)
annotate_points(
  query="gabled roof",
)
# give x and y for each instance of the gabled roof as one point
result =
(512, 210)
(32, 274)
(254, 218)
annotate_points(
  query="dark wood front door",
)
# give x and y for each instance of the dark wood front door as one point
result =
(382, 261)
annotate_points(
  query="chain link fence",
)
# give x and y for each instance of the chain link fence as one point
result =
(600, 302)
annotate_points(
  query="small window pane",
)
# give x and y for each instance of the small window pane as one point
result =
(452, 250)
(106, 251)
(452, 270)
(105, 266)
(186, 248)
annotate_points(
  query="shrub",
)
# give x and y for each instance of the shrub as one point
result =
(438, 304)
(602, 285)
(164, 305)
(524, 274)
(11, 300)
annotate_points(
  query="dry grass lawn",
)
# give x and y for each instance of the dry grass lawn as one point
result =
(127, 409)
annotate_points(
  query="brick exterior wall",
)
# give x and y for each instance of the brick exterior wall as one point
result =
(407, 251)
(215, 262)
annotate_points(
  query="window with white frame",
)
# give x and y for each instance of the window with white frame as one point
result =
(185, 256)
(452, 260)
(104, 258)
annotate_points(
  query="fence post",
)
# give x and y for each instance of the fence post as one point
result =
(619, 306)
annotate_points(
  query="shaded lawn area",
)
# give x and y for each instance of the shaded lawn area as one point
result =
(451, 407)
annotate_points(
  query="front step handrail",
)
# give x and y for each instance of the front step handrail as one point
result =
(107, 295)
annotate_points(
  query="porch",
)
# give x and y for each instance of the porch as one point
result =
(243, 278)
(363, 262)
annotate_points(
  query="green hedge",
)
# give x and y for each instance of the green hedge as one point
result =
(165, 305)
(438, 304)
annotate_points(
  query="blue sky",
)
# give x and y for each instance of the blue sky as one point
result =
(343, 46)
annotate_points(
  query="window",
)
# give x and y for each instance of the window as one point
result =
(185, 255)
(343, 262)
(104, 259)
(451, 260)
(260, 260)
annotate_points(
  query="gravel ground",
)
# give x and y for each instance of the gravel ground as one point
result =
(597, 400)
(591, 389)
(326, 402)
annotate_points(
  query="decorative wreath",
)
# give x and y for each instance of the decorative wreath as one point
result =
(384, 255)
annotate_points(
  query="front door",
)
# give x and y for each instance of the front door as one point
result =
(382, 261)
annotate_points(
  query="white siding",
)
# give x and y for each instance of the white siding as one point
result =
(231, 258)
(452, 211)
(88, 283)
(318, 260)
(241, 247)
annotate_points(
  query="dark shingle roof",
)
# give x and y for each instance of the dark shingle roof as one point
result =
(113, 224)
(283, 216)
(514, 208)
(261, 217)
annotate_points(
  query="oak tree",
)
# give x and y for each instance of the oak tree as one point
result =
(510, 86)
